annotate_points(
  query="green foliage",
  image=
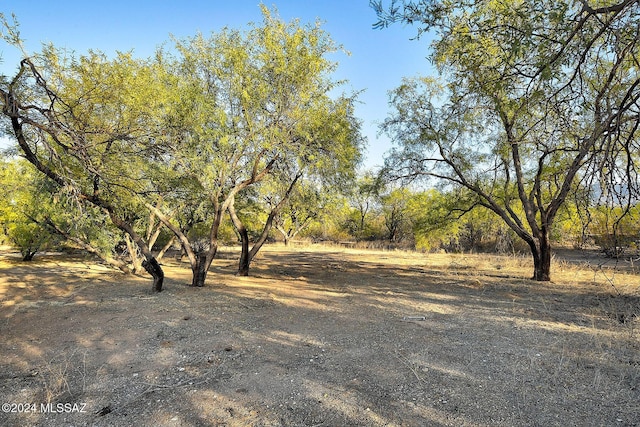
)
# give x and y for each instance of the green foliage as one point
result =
(253, 116)
(433, 225)
(534, 97)
(363, 221)
(330, 223)
(250, 98)
(394, 210)
(446, 221)
(25, 200)
(616, 230)
(184, 134)
(35, 215)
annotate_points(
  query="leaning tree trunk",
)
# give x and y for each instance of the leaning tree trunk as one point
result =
(246, 255)
(150, 263)
(12, 109)
(152, 266)
(199, 270)
(120, 265)
(203, 256)
(165, 248)
(136, 259)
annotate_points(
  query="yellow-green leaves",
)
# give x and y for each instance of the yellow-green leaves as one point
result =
(262, 96)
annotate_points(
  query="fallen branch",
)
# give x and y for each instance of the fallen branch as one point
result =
(408, 364)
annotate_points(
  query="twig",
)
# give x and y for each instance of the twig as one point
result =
(610, 280)
(155, 387)
(408, 365)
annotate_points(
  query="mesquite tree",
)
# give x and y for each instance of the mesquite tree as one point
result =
(180, 136)
(87, 123)
(252, 103)
(535, 97)
(25, 200)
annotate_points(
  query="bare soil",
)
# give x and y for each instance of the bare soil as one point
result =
(321, 337)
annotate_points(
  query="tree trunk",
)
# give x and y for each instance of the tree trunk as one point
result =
(165, 248)
(200, 257)
(245, 257)
(122, 266)
(136, 259)
(244, 262)
(150, 264)
(153, 268)
(200, 268)
(292, 233)
(285, 234)
(246, 254)
(541, 251)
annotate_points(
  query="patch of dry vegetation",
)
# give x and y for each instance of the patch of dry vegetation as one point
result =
(325, 336)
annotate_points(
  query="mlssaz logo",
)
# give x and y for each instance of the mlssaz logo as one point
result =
(62, 407)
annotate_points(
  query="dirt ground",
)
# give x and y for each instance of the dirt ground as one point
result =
(322, 336)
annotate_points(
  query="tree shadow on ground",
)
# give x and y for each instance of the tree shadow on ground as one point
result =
(316, 338)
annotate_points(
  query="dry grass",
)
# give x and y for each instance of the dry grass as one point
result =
(60, 372)
(325, 336)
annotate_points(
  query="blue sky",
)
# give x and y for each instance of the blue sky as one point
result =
(378, 61)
